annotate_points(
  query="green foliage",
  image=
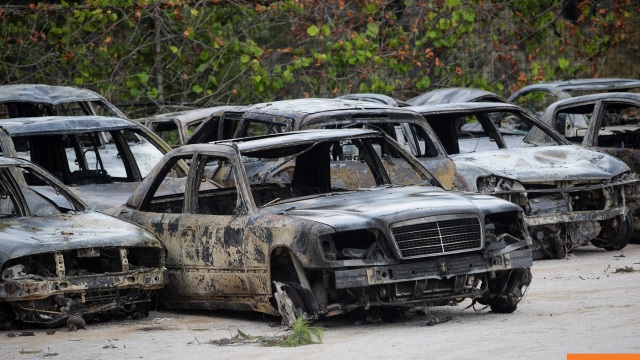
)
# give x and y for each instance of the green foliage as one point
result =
(193, 53)
(303, 334)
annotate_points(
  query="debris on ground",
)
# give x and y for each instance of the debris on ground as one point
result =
(301, 333)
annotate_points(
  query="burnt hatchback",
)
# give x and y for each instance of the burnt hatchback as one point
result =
(61, 263)
(305, 236)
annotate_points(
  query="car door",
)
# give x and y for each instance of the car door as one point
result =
(202, 225)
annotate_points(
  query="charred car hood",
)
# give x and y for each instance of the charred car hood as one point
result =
(36, 235)
(542, 164)
(361, 209)
(103, 197)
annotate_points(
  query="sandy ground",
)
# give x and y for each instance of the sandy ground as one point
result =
(577, 305)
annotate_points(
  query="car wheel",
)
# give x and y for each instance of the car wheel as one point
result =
(622, 238)
(507, 290)
(75, 323)
(290, 303)
(624, 235)
(308, 299)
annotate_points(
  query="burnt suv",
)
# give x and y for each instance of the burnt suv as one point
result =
(61, 263)
(310, 237)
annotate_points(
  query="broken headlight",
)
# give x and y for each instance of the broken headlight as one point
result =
(15, 272)
(353, 244)
(495, 184)
(506, 223)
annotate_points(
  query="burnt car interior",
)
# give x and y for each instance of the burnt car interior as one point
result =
(17, 200)
(281, 174)
(411, 136)
(619, 127)
(481, 131)
(88, 158)
(169, 131)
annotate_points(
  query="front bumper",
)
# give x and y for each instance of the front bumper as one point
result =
(435, 268)
(31, 289)
(575, 216)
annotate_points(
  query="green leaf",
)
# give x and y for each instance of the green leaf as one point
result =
(153, 93)
(326, 31)
(144, 77)
(313, 30)
(370, 8)
(563, 63)
(244, 58)
(424, 83)
(372, 29)
(197, 89)
(174, 49)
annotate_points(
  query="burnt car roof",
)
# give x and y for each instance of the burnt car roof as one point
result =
(592, 97)
(566, 86)
(307, 112)
(187, 115)
(65, 124)
(464, 107)
(294, 137)
(47, 94)
(375, 98)
(455, 95)
(297, 107)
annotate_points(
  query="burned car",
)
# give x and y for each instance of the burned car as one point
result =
(302, 114)
(176, 127)
(33, 100)
(606, 122)
(61, 263)
(299, 238)
(570, 195)
(536, 98)
(101, 158)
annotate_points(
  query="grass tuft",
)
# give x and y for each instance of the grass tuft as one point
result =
(626, 269)
(303, 333)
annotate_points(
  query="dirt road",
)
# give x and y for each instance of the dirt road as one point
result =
(577, 305)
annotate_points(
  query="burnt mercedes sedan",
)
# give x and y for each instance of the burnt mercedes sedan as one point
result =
(309, 234)
(61, 263)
